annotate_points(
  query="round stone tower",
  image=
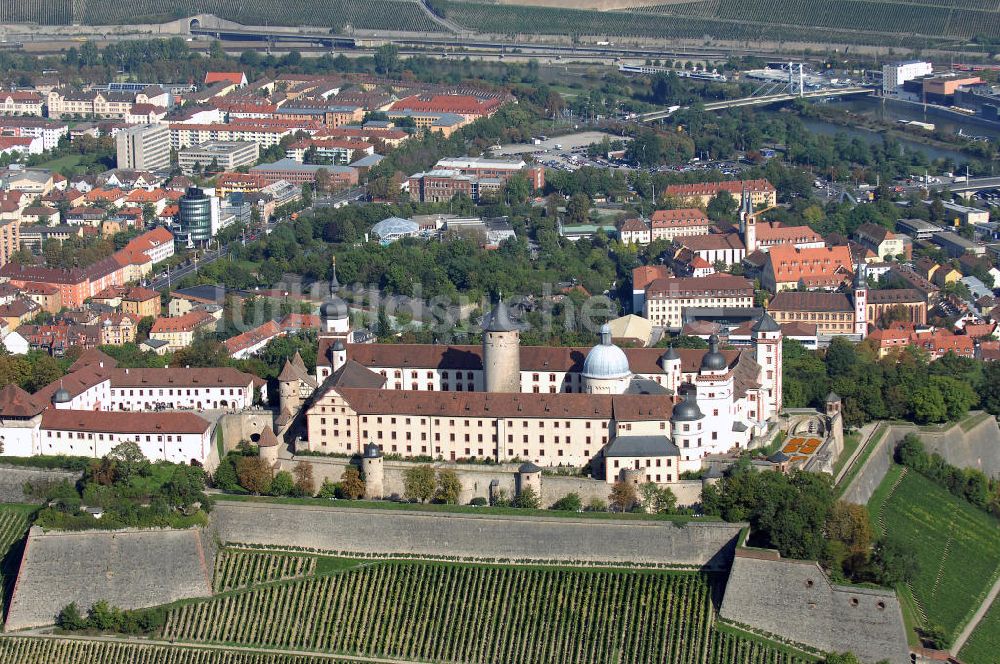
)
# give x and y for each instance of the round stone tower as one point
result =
(373, 471)
(501, 351)
(687, 430)
(529, 476)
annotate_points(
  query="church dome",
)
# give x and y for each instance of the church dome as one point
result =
(713, 360)
(62, 395)
(606, 360)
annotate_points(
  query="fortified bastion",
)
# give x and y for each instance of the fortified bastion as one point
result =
(130, 569)
(464, 535)
(794, 599)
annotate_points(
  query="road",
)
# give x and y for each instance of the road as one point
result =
(212, 255)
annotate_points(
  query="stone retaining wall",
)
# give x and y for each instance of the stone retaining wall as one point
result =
(977, 448)
(130, 569)
(14, 478)
(795, 600)
(386, 531)
(476, 480)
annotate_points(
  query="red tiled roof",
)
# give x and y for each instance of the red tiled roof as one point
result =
(486, 404)
(734, 187)
(185, 323)
(268, 330)
(15, 402)
(682, 217)
(95, 421)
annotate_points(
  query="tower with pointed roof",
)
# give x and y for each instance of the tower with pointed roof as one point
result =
(861, 299)
(501, 351)
(767, 339)
(748, 221)
(670, 362)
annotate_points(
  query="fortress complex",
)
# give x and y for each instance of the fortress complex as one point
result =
(643, 413)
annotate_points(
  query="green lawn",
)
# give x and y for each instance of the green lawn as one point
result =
(957, 545)
(62, 163)
(984, 644)
(851, 441)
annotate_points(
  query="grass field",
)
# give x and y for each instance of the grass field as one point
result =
(14, 522)
(479, 614)
(984, 644)
(957, 546)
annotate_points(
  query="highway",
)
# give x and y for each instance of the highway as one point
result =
(166, 279)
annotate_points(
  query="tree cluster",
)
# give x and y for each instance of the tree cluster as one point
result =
(904, 385)
(798, 515)
(131, 491)
(970, 484)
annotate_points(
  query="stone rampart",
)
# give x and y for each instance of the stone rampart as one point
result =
(795, 600)
(130, 569)
(14, 478)
(394, 532)
(476, 480)
(979, 448)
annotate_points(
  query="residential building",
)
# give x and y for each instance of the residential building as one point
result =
(881, 240)
(642, 276)
(21, 102)
(46, 296)
(94, 103)
(117, 328)
(179, 331)
(665, 225)
(252, 341)
(760, 192)
(667, 298)
(144, 147)
(788, 267)
(217, 156)
(299, 174)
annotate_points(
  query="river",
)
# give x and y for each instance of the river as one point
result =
(892, 112)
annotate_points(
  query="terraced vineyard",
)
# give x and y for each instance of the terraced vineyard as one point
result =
(46, 12)
(984, 644)
(19, 650)
(961, 18)
(14, 522)
(482, 614)
(655, 22)
(241, 569)
(957, 546)
(361, 14)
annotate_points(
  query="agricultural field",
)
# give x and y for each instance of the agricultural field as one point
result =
(46, 12)
(14, 522)
(957, 546)
(482, 614)
(984, 644)
(241, 569)
(22, 650)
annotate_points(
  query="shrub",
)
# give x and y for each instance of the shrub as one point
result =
(328, 490)
(479, 501)
(283, 484)
(352, 486)
(569, 503)
(527, 499)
